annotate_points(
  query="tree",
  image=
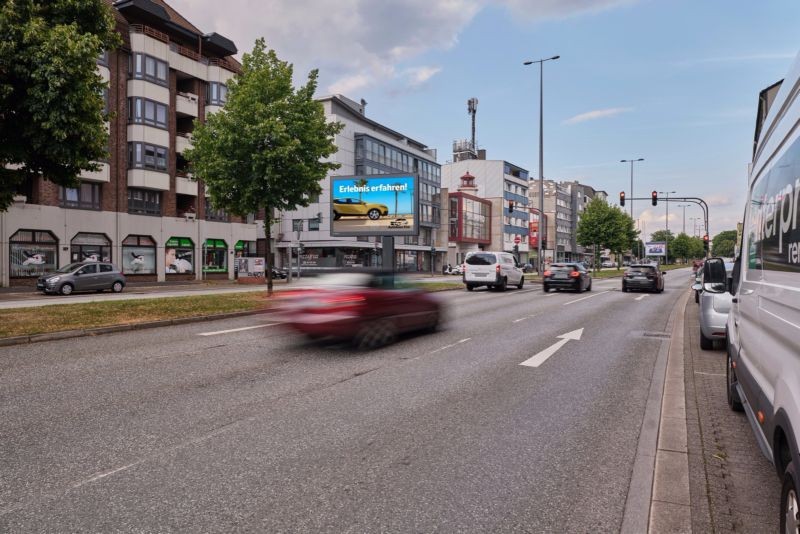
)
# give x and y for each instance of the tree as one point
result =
(265, 149)
(603, 226)
(664, 236)
(680, 246)
(696, 248)
(51, 95)
(624, 233)
(724, 244)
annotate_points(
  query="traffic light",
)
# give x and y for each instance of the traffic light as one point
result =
(510, 206)
(705, 242)
(622, 198)
(655, 198)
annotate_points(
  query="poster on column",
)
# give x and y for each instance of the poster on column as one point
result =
(383, 204)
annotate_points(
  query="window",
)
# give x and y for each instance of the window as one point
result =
(297, 225)
(90, 247)
(216, 256)
(217, 94)
(145, 111)
(33, 253)
(86, 196)
(245, 249)
(148, 68)
(106, 268)
(213, 214)
(179, 255)
(144, 201)
(313, 224)
(138, 255)
(147, 156)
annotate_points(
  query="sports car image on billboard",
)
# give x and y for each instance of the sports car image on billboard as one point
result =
(382, 204)
(344, 207)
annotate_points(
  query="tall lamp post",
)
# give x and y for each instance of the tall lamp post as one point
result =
(541, 153)
(631, 161)
(684, 206)
(666, 238)
(694, 225)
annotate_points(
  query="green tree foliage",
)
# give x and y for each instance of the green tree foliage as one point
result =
(664, 236)
(696, 249)
(680, 246)
(51, 95)
(603, 226)
(266, 148)
(724, 244)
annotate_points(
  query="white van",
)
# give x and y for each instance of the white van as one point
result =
(496, 270)
(763, 328)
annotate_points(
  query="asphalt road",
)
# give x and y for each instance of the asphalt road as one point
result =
(256, 430)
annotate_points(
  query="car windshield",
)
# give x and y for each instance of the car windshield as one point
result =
(562, 267)
(69, 268)
(481, 259)
(641, 269)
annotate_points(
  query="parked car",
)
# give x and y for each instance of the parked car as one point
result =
(365, 308)
(608, 264)
(763, 338)
(644, 277)
(715, 303)
(279, 274)
(572, 276)
(456, 269)
(84, 276)
(345, 207)
(495, 270)
(698, 285)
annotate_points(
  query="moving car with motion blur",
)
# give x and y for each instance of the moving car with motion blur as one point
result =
(495, 270)
(86, 276)
(643, 277)
(573, 276)
(369, 309)
(715, 302)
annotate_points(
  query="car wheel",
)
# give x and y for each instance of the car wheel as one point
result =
(790, 510)
(706, 343)
(734, 401)
(470, 287)
(697, 297)
(336, 216)
(521, 282)
(374, 214)
(117, 286)
(590, 286)
(546, 288)
(502, 285)
(66, 289)
(375, 335)
(624, 288)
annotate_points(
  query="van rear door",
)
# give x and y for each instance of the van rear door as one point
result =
(481, 267)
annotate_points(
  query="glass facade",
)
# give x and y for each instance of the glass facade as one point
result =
(33, 253)
(90, 247)
(139, 255)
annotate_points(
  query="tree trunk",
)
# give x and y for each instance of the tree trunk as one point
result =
(268, 259)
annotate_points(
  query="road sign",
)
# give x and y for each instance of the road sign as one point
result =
(517, 240)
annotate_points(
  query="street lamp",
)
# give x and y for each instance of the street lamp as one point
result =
(631, 161)
(694, 225)
(684, 206)
(541, 151)
(666, 238)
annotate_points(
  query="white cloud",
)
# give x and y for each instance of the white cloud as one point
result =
(361, 43)
(597, 114)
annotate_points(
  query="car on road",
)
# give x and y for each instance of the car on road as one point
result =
(643, 277)
(698, 285)
(495, 270)
(715, 304)
(572, 276)
(279, 274)
(353, 207)
(83, 276)
(608, 264)
(369, 309)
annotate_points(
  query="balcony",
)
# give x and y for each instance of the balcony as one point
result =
(183, 141)
(101, 175)
(186, 104)
(184, 185)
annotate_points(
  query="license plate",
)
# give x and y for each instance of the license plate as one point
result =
(561, 276)
(480, 274)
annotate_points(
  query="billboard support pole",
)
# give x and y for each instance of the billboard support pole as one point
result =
(388, 252)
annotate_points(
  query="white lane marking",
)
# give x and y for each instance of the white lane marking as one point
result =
(542, 357)
(236, 329)
(709, 374)
(584, 298)
(550, 295)
(526, 317)
(643, 296)
(104, 474)
(451, 345)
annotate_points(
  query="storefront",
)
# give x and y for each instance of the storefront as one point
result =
(215, 258)
(336, 257)
(139, 256)
(179, 258)
(32, 253)
(87, 246)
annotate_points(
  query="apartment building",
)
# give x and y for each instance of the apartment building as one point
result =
(365, 147)
(141, 210)
(505, 186)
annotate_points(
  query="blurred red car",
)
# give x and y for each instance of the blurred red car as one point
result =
(367, 308)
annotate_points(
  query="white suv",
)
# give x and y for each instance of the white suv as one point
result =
(492, 269)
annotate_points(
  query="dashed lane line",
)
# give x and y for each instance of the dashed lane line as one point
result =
(589, 297)
(218, 332)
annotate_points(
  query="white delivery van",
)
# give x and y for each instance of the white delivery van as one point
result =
(496, 270)
(763, 328)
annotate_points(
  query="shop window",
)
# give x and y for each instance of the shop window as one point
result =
(90, 247)
(179, 253)
(139, 255)
(215, 253)
(33, 253)
(245, 249)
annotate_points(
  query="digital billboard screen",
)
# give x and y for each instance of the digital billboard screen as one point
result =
(655, 248)
(385, 204)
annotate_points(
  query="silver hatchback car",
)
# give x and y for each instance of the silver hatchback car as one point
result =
(87, 276)
(715, 304)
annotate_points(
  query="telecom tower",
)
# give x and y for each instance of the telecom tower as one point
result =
(465, 149)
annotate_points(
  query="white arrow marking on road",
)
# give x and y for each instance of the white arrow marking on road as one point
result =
(540, 358)
(640, 298)
(235, 330)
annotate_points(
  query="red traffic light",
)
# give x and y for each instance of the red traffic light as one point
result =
(622, 198)
(705, 238)
(655, 198)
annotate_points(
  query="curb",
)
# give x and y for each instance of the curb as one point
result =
(69, 334)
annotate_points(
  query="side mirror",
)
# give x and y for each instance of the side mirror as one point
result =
(715, 279)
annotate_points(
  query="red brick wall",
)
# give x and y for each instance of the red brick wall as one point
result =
(115, 192)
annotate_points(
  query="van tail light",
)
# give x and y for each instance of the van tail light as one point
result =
(547, 273)
(575, 274)
(497, 269)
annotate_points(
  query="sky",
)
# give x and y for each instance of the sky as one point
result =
(675, 82)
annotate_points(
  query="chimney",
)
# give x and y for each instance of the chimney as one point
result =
(363, 107)
(482, 154)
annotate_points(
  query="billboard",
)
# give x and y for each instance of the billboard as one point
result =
(655, 248)
(384, 204)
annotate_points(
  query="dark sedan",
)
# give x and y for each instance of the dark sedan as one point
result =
(572, 276)
(370, 309)
(643, 278)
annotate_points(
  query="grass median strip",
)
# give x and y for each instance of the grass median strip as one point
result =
(60, 317)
